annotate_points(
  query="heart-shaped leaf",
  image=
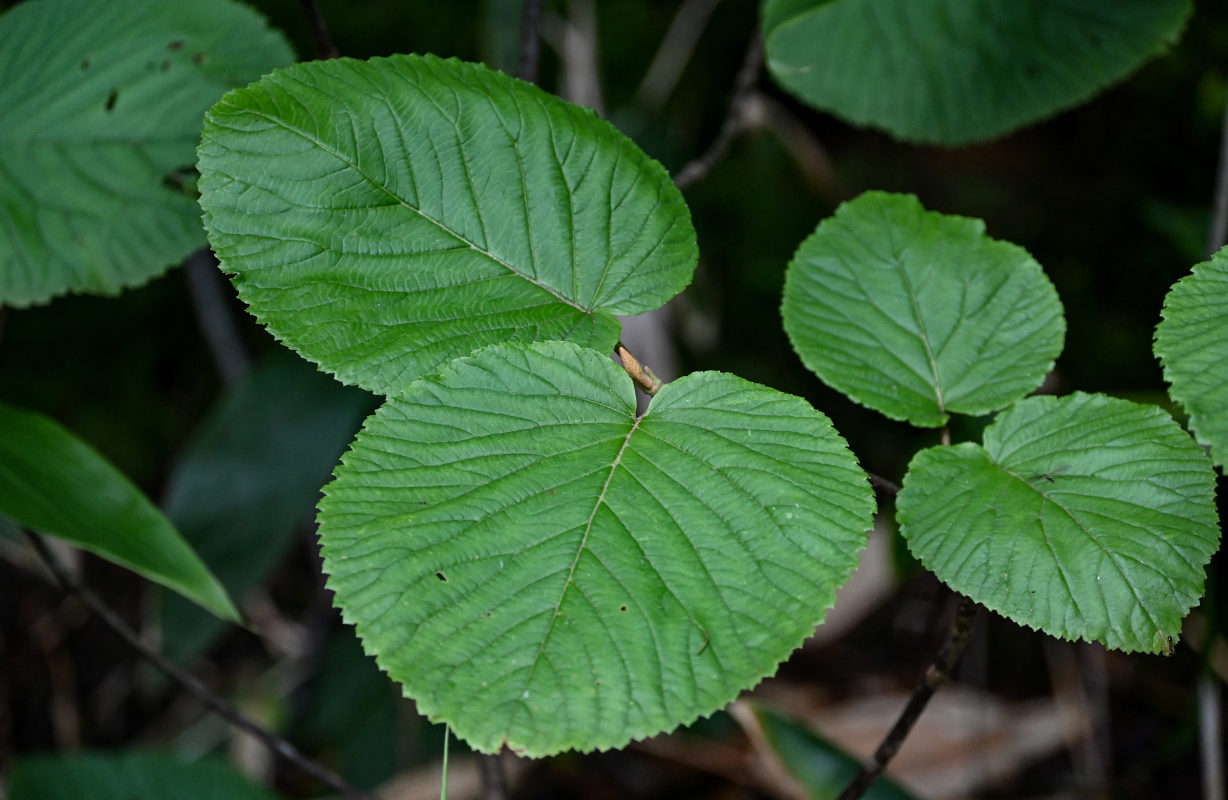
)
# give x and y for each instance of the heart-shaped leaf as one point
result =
(102, 105)
(958, 71)
(384, 217)
(541, 568)
(1192, 344)
(916, 314)
(1084, 516)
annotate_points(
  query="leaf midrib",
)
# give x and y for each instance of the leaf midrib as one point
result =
(344, 159)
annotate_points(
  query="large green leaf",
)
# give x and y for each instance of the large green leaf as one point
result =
(383, 217)
(542, 569)
(917, 314)
(136, 775)
(958, 71)
(1085, 516)
(266, 448)
(1192, 344)
(55, 483)
(103, 103)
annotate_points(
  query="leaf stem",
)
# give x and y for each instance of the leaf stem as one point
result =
(193, 686)
(935, 675)
(641, 375)
(743, 87)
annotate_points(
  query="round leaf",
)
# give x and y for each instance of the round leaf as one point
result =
(384, 217)
(102, 106)
(916, 314)
(1192, 344)
(540, 568)
(1084, 516)
(959, 71)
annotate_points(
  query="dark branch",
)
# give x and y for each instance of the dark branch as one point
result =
(494, 780)
(883, 485)
(214, 317)
(325, 48)
(530, 40)
(743, 85)
(194, 687)
(935, 676)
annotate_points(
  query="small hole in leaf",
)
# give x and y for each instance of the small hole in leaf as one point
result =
(112, 98)
(175, 45)
(622, 608)
(198, 58)
(441, 577)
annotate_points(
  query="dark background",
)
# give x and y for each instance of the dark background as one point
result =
(1113, 199)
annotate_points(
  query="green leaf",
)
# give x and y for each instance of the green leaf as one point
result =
(540, 568)
(960, 71)
(103, 104)
(916, 314)
(1084, 516)
(134, 775)
(822, 768)
(266, 448)
(1192, 344)
(384, 217)
(55, 483)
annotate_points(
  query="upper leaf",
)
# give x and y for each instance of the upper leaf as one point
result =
(540, 568)
(959, 71)
(916, 314)
(102, 105)
(1192, 344)
(55, 483)
(383, 217)
(135, 775)
(1085, 516)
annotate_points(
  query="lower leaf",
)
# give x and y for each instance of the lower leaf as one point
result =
(539, 567)
(1084, 516)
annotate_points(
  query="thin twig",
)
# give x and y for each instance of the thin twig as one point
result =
(325, 48)
(494, 780)
(214, 318)
(1210, 718)
(937, 674)
(640, 374)
(883, 485)
(743, 85)
(194, 687)
(675, 50)
(530, 41)
(1219, 215)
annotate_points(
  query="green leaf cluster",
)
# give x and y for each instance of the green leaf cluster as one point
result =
(537, 564)
(1083, 516)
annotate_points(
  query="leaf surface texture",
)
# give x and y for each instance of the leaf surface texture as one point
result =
(538, 567)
